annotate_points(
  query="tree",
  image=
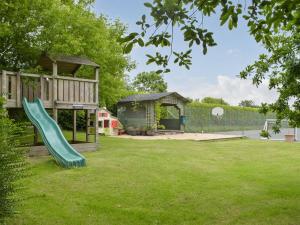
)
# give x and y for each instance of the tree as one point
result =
(12, 166)
(211, 100)
(282, 67)
(273, 23)
(248, 103)
(30, 27)
(149, 82)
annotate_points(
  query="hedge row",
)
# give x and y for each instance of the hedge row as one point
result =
(235, 118)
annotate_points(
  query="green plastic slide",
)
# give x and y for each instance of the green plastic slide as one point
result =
(52, 136)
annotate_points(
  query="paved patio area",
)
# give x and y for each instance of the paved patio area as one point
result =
(184, 136)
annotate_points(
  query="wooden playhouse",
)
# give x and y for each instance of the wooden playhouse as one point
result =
(108, 124)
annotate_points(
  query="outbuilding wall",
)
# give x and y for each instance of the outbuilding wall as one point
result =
(141, 115)
(133, 115)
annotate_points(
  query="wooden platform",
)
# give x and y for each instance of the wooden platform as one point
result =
(81, 147)
(55, 91)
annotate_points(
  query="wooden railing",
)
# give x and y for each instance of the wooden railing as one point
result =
(68, 92)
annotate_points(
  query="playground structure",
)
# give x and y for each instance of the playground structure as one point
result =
(287, 133)
(61, 90)
(52, 136)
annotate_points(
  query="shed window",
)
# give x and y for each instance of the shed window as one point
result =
(103, 114)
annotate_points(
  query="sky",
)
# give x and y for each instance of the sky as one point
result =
(213, 74)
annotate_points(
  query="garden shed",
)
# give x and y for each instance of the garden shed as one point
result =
(144, 111)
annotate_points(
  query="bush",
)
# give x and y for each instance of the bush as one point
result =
(235, 118)
(12, 166)
(265, 134)
(65, 119)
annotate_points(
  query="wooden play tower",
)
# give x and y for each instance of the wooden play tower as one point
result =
(60, 90)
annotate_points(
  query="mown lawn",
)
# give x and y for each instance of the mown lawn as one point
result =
(28, 137)
(168, 182)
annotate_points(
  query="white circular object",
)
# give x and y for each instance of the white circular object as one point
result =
(217, 111)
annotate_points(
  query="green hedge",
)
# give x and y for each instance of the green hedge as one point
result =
(235, 118)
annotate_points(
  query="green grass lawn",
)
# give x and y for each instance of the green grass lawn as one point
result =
(28, 137)
(168, 182)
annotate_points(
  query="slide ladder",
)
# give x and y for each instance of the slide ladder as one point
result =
(52, 136)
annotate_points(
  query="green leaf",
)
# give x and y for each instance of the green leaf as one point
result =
(140, 42)
(128, 38)
(148, 4)
(224, 18)
(204, 49)
(128, 48)
(230, 24)
(149, 61)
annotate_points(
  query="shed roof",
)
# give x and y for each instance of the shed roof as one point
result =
(65, 64)
(150, 97)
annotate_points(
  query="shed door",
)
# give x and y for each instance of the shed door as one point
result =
(106, 123)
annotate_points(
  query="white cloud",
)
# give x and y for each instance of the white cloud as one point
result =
(232, 90)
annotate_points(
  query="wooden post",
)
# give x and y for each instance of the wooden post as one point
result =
(74, 124)
(3, 84)
(35, 140)
(181, 113)
(42, 89)
(97, 86)
(96, 123)
(18, 90)
(96, 126)
(87, 116)
(54, 90)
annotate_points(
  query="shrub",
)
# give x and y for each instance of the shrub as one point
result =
(65, 119)
(235, 118)
(265, 134)
(12, 166)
